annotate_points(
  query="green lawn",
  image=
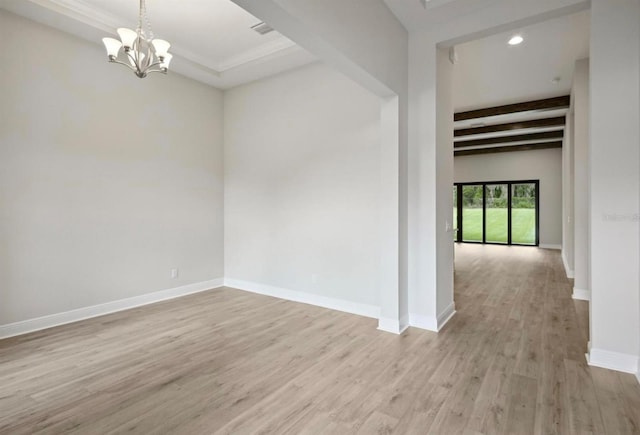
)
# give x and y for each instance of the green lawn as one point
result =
(524, 225)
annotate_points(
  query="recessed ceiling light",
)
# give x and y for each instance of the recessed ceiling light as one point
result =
(517, 39)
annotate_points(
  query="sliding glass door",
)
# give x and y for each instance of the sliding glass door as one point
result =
(524, 216)
(497, 216)
(472, 215)
(504, 212)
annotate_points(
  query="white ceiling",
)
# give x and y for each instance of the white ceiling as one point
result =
(490, 72)
(212, 40)
(423, 14)
(213, 43)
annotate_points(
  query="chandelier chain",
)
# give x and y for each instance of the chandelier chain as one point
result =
(144, 25)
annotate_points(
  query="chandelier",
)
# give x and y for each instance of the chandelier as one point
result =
(138, 50)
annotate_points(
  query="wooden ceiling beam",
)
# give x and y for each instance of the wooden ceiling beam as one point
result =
(559, 134)
(545, 104)
(520, 125)
(510, 148)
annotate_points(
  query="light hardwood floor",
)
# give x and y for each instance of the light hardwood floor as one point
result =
(225, 361)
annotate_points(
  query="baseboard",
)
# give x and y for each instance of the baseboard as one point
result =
(620, 362)
(392, 325)
(404, 323)
(638, 376)
(31, 325)
(549, 246)
(433, 323)
(429, 323)
(567, 269)
(446, 315)
(581, 294)
(305, 298)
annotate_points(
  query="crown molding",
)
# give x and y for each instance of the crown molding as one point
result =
(82, 12)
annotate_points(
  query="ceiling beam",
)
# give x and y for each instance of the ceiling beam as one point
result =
(505, 149)
(559, 134)
(546, 104)
(520, 125)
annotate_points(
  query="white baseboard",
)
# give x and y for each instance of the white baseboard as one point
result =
(429, 323)
(389, 325)
(581, 294)
(404, 323)
(392, 325)
(567, 269)
(638, 376)
(31, 325)
(549, 246)
(432, 323)
(446, 315)
(607, 359)
(305, 298)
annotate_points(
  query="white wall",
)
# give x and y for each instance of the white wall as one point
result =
(430, 172)
(342, 35)
(444, 168)
(543, 165)
(567, 196)
(580, 112)
(380, 49)
(107, 182)
(302, 183)
(615, 184)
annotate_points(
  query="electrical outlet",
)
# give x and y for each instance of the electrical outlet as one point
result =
(174, 273)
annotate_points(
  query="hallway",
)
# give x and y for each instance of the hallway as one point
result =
(517, 301)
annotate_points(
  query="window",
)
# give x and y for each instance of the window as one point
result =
(502, 212)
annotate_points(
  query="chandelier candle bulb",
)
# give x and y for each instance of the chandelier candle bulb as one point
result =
(138, 50)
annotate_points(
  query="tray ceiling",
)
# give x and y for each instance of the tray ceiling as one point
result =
(212, 40)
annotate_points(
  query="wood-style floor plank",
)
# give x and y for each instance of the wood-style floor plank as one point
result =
(230, 362)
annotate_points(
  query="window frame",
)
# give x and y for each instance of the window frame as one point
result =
(509, 183)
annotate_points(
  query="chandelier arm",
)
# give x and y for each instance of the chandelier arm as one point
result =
(150, 55)
(135, 61)
(125, 64)
(156, 70)
(154, 64)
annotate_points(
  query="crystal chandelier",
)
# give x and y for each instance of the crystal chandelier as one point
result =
(138, 50)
